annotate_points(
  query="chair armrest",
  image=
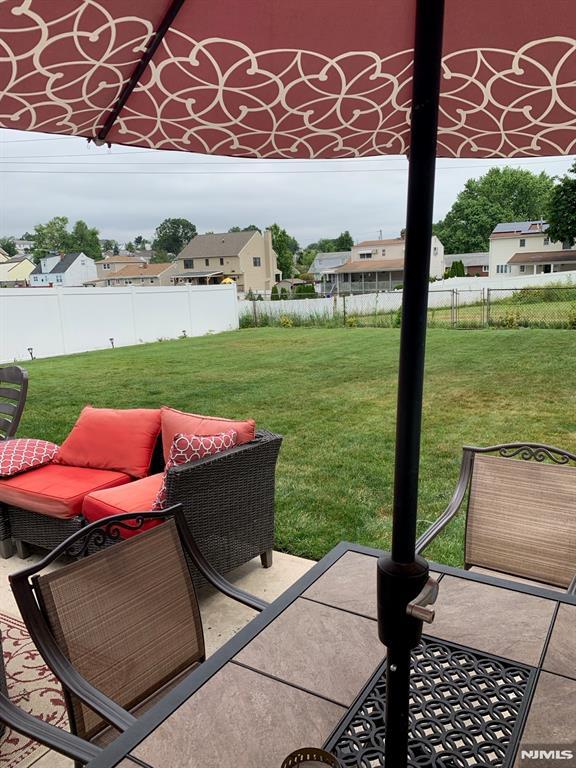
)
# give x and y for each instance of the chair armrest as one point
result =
(55, 738)
(454, 505)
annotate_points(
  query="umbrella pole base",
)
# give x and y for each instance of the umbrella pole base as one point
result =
(399, 587)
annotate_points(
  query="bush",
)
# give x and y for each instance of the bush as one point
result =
(274, 295)
(284, 293)
(550, 292)
(511, 319)
(286, 321)
(572, 317)
(397, 318)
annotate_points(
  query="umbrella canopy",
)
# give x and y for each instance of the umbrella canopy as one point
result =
(289, 79)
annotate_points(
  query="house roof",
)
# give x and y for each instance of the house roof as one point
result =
(224, 244)
(141, 269)
(122, 259)
(478, 258)
(189, 273)
(64, 263)
(542, 257)
(376, 265)
(390, 241)
(19, 258)
(323, 261)
(520, 228)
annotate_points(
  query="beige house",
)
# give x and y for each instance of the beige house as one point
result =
(377, 265)
(111, 264)
(15, 271)
(245, 257)
(137, 273)
(524, 248)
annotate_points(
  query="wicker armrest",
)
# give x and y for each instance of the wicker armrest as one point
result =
(453, 507)
(55, 738)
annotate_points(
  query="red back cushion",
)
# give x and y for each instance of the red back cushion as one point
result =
(23, 454)
(105, 438)
(187, 448)
(174, 422)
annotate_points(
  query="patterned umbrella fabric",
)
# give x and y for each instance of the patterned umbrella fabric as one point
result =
(289, 78)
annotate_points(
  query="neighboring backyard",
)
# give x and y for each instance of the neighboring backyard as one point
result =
(332, 394)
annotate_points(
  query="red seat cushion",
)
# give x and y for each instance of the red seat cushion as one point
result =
(56, 490)
(105, 438)
(174, 422)
(136, 497)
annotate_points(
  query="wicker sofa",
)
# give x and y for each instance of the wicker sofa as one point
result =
(228, 501)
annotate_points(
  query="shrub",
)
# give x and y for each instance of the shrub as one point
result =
(274, 294)
(352, 322)
(250, 295)
(286, 321)
(397, 318)
(284, 293)
(549, 292)
(511, 319)
(572, 317)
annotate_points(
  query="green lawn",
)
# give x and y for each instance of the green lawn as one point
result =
(331, 393)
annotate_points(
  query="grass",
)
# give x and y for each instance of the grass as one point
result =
(332, 394)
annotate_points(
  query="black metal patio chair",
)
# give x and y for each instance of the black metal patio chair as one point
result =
(120, 627)
(520, 514)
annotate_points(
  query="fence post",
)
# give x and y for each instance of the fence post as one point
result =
(487, 307)
(344, 308)
(255, 313)
(453, 307)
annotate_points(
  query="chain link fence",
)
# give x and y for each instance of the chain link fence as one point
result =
(550, 306)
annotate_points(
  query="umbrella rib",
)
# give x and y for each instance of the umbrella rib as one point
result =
(129, 86)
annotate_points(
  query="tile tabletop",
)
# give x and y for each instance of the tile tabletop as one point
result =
(239, 718)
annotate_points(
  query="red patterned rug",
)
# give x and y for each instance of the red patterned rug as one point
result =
(32, 687)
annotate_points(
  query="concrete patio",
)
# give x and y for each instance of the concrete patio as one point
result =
(222, 618)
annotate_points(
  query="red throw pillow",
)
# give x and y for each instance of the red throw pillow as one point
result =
(105, 438)
(175, 422)
(187, 448)
(23, 454)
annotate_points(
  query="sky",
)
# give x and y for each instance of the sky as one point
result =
(125, 191)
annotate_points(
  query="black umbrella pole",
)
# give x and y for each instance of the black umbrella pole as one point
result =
(401, 574)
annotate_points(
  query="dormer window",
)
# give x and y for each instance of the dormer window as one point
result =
(546, 241)
(365, 254)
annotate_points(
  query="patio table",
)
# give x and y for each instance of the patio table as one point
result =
(495, 674)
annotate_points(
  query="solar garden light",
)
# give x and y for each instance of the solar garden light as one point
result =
(111, 342)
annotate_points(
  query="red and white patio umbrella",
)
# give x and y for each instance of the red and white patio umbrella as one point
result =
(313, 79)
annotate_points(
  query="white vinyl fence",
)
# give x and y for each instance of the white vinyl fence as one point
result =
(59, 321)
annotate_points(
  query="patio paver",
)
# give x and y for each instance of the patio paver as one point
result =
(561, 653)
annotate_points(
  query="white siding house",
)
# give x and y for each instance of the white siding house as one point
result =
(524, 248)
(70, 269)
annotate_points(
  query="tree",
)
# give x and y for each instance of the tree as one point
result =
(27, 236)
(84, 238)
(109, 245)
(173, 234)
(281, 244)
(457, 269)
(7, 244)
(140, 243)
(160, 257)
(249, 228)
(52, 236)
(344, 242)
(562, 210)
(274, 295)
(502, 194)
(130, 247)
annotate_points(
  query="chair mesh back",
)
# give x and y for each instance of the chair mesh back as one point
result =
(126, 617)
(522, 519)
(13, 386)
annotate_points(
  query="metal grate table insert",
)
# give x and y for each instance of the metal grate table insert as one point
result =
(466, 711)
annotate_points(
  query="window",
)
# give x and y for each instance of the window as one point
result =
(257, 261)
(221, 261)
(522, 242)
(485, 268)
(435, 250)
(105, 266)
(502, 269)
(188, 263)
(366, 255)
(152, 281)
(546, 241)
(207, 262)
(383, 251)
(522, 268)
(58, 278)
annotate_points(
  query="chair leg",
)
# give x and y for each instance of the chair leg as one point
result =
(22, 549)
(266, 558)
(6, 548)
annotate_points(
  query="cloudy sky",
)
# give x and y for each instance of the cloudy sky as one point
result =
(125, 192)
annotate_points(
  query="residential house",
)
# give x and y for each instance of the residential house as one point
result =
(15, 271)
(65, 269)
(245, 257)
(138, 273)
(377, 265)
(112, 264)
(524, 248)
(24, 247)
(324, 263)
(3, 255)
(475, 264)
